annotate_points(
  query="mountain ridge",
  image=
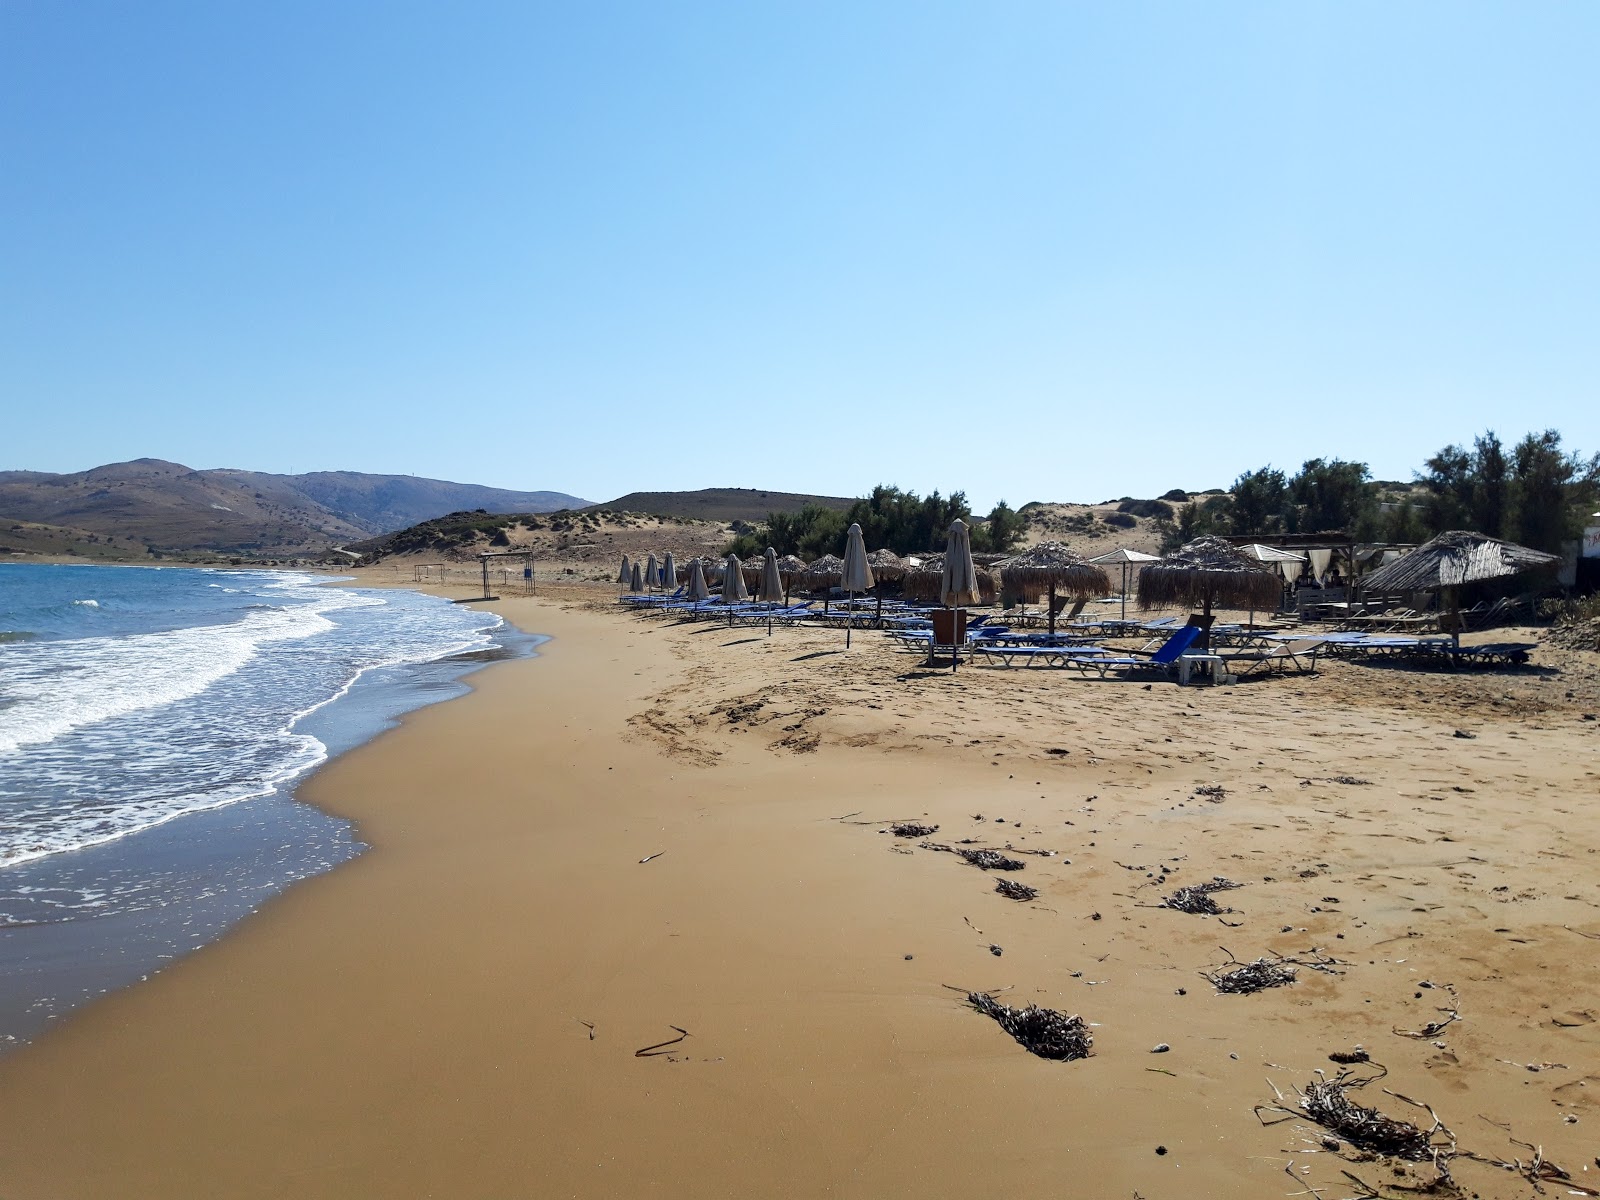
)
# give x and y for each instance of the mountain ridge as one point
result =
(151, 506)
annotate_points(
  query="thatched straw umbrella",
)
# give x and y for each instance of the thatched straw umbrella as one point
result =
(1126, 559)
(1207, 571)
(854, 574)
(698, 591)
(921, 582)
(752, 568)
(886, 565)
(790, 568)
(624, 576)
(1049, 568)
(1444, 563)
(824, 575)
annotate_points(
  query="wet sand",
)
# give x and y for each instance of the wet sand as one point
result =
(457, 1013)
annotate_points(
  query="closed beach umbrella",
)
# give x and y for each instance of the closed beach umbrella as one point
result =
(855, 574)
(1206, 572)
(624, 576)
(1050, 568)
(771, 587)
(733, 589)
(651, 575)
(958, 582)
(698, 591)
(1127, 560)
(636, 579)
(669, 572)
(1444, 563)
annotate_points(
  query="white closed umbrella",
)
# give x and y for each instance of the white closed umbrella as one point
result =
(624, 576)
(698, 591)
(733, 589)
(958, 586)
(856, 575)
(771, 586)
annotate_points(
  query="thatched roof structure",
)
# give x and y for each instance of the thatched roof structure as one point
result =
(1206, 572)
(751, 569)
(886, 564)
(1452, 559)
(987, 559)
(1052, 568)
(922, 581)
(791, 566)
(824, 573)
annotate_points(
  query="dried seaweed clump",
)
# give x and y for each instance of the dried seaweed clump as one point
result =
(989, 860)
(1213, 792)
(1042, 1031)
(910, 829)
(1013, 890)
(1196, 898)
(1253, 977)
(1327, 1102)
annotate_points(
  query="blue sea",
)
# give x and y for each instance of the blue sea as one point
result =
(153, 724)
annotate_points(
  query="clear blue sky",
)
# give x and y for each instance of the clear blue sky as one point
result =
(1038, 251)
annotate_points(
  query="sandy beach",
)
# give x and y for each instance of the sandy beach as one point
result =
(654, 828)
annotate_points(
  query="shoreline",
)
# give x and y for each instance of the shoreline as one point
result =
(418, 1021)
(194, 874)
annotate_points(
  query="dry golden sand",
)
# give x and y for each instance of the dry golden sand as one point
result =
(414, 1023)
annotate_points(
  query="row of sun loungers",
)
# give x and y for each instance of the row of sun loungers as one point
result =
(1236, 650)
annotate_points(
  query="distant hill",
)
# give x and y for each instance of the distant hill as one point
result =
(383, 503)
(719, 504)
(135, 507)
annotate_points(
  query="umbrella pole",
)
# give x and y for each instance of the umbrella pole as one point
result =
(849, 617)
(1125, 591)
(1052, 609)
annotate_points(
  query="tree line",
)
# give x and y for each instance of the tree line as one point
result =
(1535, 492)
(889, 517)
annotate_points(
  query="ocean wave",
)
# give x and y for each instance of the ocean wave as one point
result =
(104, 737)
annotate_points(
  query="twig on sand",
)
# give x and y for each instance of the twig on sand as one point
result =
(857, 813)
(1433, 1029)
(1196, 898)
(660, 1047)
(648, 857)
(989, 860)
(1278, 971)
(1594, 937)
(1042, 1031)
(587, 1025)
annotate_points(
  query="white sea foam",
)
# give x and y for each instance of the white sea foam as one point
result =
(88, 603)
(56, 687)
(102, 737)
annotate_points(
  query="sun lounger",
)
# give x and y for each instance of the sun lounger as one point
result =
(1301, 653)
(1163, 661)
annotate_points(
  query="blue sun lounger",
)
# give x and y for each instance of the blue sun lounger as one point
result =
(1163, 661)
